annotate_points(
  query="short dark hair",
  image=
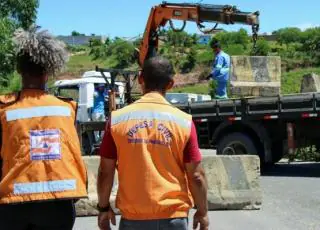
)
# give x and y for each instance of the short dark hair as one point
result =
(157, 72)
(214, 43)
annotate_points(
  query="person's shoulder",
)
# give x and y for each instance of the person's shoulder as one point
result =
(181, 113)
(225, 54)
(9, 98)
(65, 99)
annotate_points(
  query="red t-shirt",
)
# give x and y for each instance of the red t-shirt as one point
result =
(191, 152)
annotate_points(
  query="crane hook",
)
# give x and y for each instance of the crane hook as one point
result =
(208, 31)
(175, 29)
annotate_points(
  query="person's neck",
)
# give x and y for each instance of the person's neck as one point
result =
(34, 86)
(37, 83)
(155, 91)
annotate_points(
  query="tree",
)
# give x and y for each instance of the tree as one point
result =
(121, 53)
(233, 38)
(76, 33)
(13, 14)
(262, 49)
(22, 12)
(6, 50)
(118, 52)
(310, 40)
(288, 35)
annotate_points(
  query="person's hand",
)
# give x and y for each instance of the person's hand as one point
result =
(201, 219)
(104, 219)
(209, 77)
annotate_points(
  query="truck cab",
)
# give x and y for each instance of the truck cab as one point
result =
(82, 90)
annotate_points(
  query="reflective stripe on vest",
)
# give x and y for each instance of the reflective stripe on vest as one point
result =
(43, 187)
(40, 111)
(150, 115)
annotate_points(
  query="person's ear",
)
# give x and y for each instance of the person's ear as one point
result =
(170, 85)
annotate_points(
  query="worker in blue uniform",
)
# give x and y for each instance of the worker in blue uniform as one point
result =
(220, 71)
(98, 112)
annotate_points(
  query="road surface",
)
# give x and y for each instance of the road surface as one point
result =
(291, 201)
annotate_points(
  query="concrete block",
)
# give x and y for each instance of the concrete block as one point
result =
(233, 182)
(310, 83)
(87, 207)
(255, 76)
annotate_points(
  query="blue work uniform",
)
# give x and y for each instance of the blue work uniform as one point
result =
(98, 106)
(220, 73)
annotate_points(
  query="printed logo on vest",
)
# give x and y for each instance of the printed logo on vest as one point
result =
(45, 144)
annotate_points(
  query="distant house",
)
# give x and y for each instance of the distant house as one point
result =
(80, 40)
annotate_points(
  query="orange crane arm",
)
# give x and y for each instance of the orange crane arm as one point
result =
(197, 13)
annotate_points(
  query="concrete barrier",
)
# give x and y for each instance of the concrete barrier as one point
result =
(310, 83)
(255, 76)
(233, 184)
(87, 207)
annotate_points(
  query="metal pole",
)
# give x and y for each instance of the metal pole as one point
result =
(291, 143)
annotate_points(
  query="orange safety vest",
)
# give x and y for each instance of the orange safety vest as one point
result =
(40, 149)
(150, 136)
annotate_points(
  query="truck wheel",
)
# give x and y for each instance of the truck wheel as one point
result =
(236, 144)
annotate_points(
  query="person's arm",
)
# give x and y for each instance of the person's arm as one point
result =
(198, 186)
(105, 180)
(196, 179)
(218, 66)
(108, 160)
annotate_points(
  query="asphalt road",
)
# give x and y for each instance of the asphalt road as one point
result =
(291, 201)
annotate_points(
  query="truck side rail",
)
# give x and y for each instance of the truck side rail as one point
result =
(281, 106)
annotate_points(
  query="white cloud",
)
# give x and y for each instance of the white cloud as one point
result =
(305, 26)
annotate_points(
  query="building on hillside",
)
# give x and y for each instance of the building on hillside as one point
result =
(204, 39)
(80, 40)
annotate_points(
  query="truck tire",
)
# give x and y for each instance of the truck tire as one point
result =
(236, 144)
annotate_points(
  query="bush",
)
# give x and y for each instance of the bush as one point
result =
(310, 153)
(235, 49)
(76, 48)
(13, 85)
(262, 49)
(233, 38)
(205, 58)
(119, 53)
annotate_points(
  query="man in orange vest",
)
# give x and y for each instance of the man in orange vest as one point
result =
(42, 168)
(155, 148)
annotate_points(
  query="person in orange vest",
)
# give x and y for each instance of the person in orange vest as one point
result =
(155, 148)
(43, 173)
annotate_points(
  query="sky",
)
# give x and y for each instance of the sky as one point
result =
(127, 18)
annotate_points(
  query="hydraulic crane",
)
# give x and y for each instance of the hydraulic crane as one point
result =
(198, 13)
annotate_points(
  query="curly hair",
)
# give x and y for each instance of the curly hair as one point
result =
(38, 52)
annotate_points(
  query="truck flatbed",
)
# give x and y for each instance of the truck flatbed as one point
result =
(255, 108)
